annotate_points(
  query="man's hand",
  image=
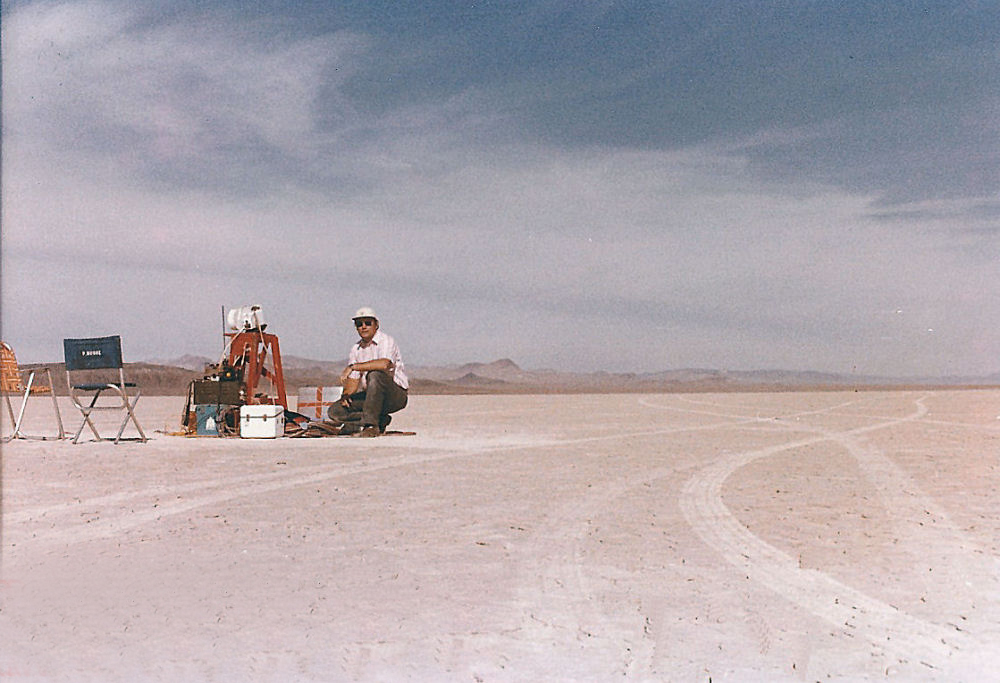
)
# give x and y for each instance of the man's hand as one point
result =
(349, 384)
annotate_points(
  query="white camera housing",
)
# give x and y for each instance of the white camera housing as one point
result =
(246, 318)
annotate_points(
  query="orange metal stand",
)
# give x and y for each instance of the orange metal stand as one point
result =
(249, 351)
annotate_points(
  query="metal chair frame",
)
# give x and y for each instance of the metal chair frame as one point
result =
(100, 353)
(26, 388)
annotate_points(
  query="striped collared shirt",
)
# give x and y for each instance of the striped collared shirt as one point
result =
(381, 346)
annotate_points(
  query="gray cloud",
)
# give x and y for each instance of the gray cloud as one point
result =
(609, 182)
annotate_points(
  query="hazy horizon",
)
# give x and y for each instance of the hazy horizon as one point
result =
(581, 186)
(562, 370)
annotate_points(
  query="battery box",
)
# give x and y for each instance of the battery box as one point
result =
(220, 392)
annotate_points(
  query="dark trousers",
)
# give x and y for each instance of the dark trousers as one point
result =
(373, 405)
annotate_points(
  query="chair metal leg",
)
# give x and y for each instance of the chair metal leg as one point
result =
(24, 404)
(76, 437)
(127, 407)
(135, 421)
(130, 415)
(17, 421)
(13, 421)
(87, 421)
(55, 405)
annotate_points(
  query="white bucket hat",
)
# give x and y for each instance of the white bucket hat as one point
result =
(365, 312)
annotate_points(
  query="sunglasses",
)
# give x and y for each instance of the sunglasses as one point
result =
(363, 321)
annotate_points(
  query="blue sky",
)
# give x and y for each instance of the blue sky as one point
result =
(586, 185)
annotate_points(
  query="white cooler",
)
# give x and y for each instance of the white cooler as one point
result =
(262, 422)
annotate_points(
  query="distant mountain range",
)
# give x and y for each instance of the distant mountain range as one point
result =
(506, 376)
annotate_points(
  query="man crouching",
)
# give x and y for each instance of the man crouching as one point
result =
(374, 381)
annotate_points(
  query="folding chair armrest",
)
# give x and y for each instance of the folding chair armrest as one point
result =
(93, 392)
(101, 386)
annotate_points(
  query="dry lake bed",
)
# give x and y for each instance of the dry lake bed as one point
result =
(696, 537)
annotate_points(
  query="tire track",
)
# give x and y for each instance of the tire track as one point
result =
(123, 497)
(563, 578)
(561, 588)
(251, 485)
(561, 592)
(849, 610)
(77, 531)
(20, 516)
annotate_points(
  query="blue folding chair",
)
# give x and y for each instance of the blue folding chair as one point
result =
(100, 353)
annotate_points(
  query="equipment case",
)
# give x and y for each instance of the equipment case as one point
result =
(208, 391)
(262, 422)
(314, 401)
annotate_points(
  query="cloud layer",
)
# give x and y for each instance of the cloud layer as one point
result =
(581, 188)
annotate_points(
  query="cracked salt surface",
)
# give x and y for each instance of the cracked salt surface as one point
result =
(732, 536)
